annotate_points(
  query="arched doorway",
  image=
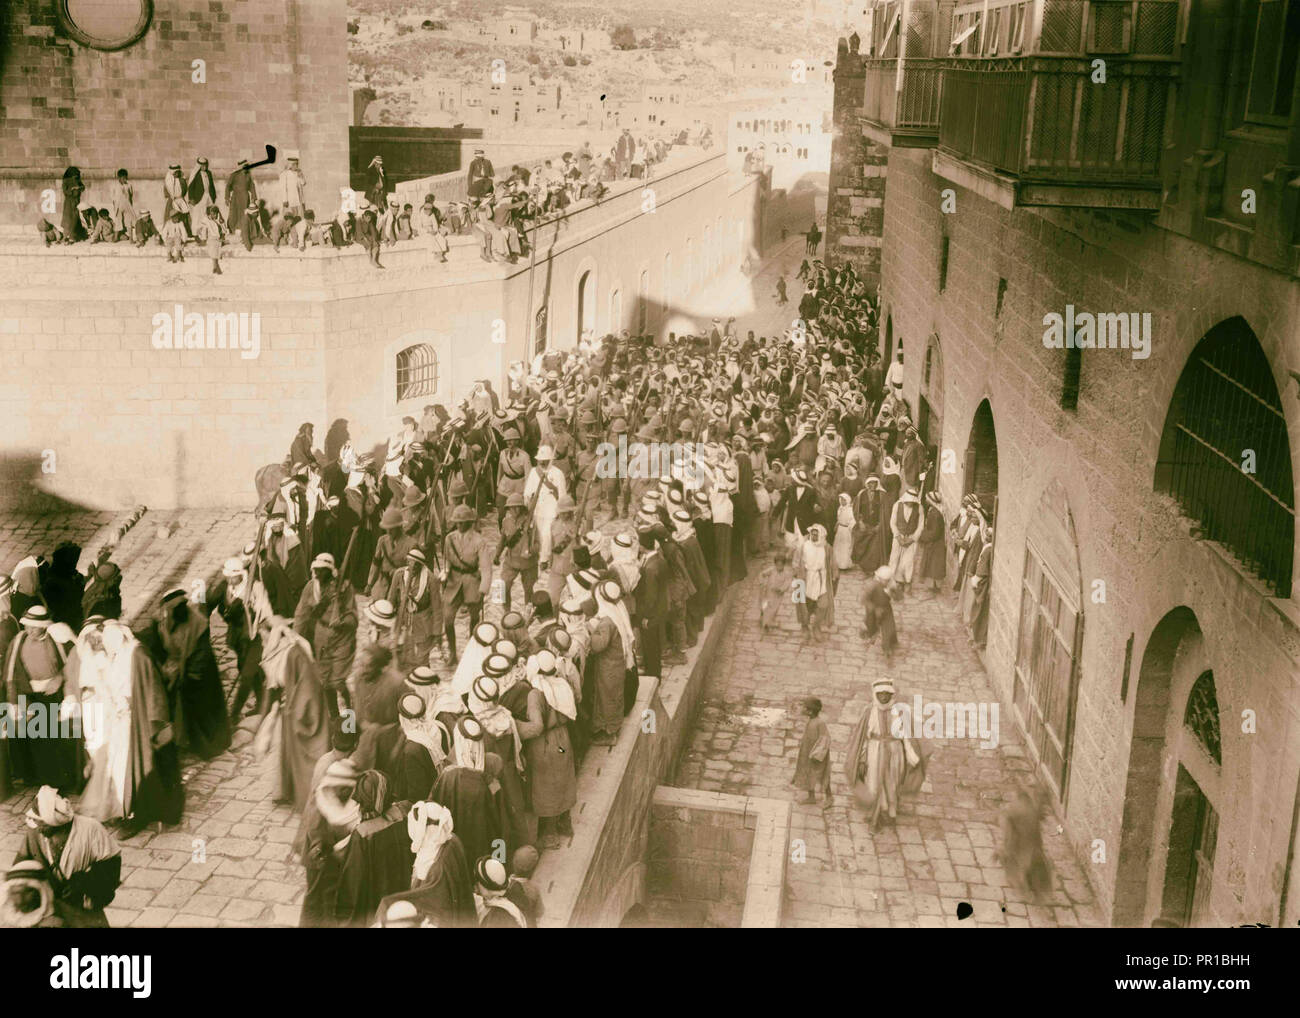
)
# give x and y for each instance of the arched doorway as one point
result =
(1225, 456)
(1173, 795)
(930, 412)
(586, 305)
(981, 475)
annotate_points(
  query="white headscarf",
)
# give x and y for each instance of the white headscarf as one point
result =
(496, 721)
(277, 643)
(469, 753)
(556, 689)
(470, 666)
(845, 517)
(430, 826)
(616, 612)
(426, 730)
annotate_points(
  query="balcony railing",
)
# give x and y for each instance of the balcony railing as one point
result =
(913, 108)
(1044, 120)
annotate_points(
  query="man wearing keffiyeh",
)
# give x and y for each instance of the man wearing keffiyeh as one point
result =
(83, 861)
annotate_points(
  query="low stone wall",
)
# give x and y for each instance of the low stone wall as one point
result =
(724, 853)
(600, 874)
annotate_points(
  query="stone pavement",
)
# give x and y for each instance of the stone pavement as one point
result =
(941, 851)
(229, 862)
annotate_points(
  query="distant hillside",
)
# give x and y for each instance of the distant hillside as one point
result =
(686, 41)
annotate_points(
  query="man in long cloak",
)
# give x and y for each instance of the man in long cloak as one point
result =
(134, 771)
(304, 712)
(35, 672)
(240, 192)
(542, 492)
(882, 762)
(181, 647)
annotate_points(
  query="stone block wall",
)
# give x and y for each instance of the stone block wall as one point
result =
(1103, 455)
(129, 424)
(701, 856)
(855, 203)
(275, 72)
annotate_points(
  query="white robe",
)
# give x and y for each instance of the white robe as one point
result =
(544, 511)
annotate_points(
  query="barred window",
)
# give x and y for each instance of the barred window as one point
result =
(417, 372)
(1225, 456)
(1202, 716)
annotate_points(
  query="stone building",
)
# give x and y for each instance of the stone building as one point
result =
(104, 411)
(140, 85)
(1052, 171)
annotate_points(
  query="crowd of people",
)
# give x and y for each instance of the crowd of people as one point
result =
(429, 776)
(498, 210)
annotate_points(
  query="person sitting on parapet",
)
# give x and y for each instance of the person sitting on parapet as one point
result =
(102, 230)
(145, 230)
(282, 224)
(50, 233)
(368, 236)
(173, 236)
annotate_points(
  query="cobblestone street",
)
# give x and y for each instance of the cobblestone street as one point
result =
(229, 862)
(941, 851)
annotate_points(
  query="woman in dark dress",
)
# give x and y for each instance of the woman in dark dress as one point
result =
(73, 189)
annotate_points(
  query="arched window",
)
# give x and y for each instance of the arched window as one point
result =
(1202, 716)
(417, 372)
(1225, 456)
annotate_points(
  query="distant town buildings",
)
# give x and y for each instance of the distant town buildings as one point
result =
(791, 139)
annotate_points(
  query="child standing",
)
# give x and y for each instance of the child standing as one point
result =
(812, 771)
(173, 236)
(210, 236)
(774, 584)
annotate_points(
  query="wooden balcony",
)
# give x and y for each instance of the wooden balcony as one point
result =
(1037, 130)
(906, 116)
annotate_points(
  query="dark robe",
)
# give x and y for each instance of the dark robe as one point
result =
(240, 191)
(202, 189)
(70, 220)
(63, 588)
(879, 615)
(932, 561)
(376, 862)
(408, 765)
(478, 812)
(88, 891)
(198, 703)
(446, 894)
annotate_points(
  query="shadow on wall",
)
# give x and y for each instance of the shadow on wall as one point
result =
(24, 477)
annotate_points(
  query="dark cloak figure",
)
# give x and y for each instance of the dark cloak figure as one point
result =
(181, 647)
(70, 220)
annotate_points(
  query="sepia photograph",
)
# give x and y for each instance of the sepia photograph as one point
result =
(634, 465)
